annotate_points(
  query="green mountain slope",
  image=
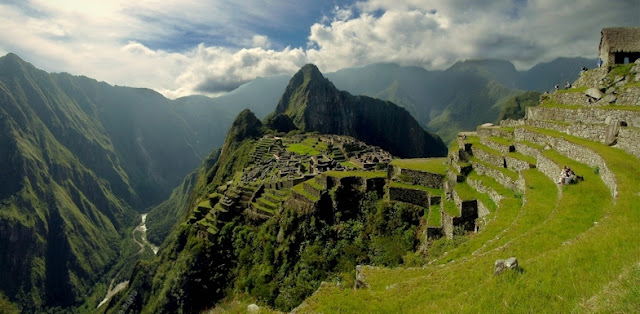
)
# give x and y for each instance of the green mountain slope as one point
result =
(314, 104)
(79, 159)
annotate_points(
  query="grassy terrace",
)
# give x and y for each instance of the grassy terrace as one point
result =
(302, 149)
(300, 190)
(532, 145)
(500, 140)
(475, 142)
(504, 171)
(450, 208)
(314, 184)
(363, 174)
(491, 183)
(570, 264)
(435, 216)
(402, 185)
(432, 165)
(520, 156)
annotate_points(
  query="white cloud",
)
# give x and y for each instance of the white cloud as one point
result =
(143, 43)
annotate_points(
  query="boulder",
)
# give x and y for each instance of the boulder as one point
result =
(360, 283)
(593, 93)
(501, 265)
(253, 308)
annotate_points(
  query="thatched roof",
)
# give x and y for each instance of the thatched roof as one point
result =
(621, 39)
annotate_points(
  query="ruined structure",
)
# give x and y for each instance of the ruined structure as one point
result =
(619, 45)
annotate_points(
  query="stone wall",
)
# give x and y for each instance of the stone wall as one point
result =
(629, 140)
(416, 197)
(587, 115)
(592, 78)
(478, 186)
(496, 160)
(572, 151)
(527, 150)
(548, 168)
(503, 148)
(629, 96)
(592, 132)
(516, 164)
(511, 122)
(570, 98)
(432, 180)
(311, 190)
(375, 185)
(494, 131)
(506, 181)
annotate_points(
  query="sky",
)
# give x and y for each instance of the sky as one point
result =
(186, 47)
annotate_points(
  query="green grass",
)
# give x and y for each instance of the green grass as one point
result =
(506, 172)
(568, 260)
(500, 140)
(432, 165)
(623, 70)
(435, 216)
(520, 156)
(362, 174)
(349, 164)
(491, 183)
(402, 185)
(302, 149)
(300, 190)
(531, 144)
(464, 191)
(450, 208)
(313, 183)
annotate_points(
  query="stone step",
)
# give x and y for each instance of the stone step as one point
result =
(505, 177)
(488, 155)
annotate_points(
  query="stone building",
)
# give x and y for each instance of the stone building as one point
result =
(619, 45)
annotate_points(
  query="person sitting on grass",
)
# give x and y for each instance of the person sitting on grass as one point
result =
(563, 174)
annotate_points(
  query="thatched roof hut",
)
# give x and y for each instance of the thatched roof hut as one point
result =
(618, 44)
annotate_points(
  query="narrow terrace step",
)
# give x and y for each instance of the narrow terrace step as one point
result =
(495, 131)
(504, 176)
(500, 144)
(516, 161)
(571, 148)
(571, 114)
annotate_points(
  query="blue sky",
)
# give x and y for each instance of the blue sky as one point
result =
(210, 47)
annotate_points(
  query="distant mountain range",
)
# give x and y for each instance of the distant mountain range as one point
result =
(459, 98)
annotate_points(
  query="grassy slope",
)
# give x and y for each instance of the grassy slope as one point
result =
(559, 247)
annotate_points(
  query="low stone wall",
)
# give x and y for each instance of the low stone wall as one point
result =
(592, 132)
(503, 148)
(629, 140)
(516, 164)
(591, 78)
(496, 160)
(416, 197)
(478, 186)
(311, 190)
(570, 98)
(506, 181)
(586, 116)
(511, 122)
(548, 168)
(494, 131)
(572, 151)
(527, 150)
(432, 180)
(629, 96)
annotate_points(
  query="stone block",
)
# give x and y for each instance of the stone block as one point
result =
(593, 93)
(502, 265)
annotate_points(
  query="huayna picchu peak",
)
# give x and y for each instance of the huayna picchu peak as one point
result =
(316, 105)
